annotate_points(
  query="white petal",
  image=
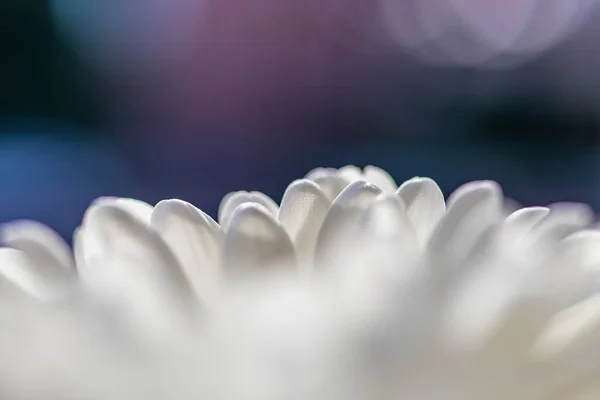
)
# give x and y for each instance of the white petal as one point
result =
(319, 173)
(374, 259)
(587, 390)
(583, 246)
(139, 209)
(341, 220)
(575, 266)
(385, 218)
(569, 344)
(518, 225)
(350, 173)
(571, 328)
(380, 178)
(223, 204)
(233, 201)
(43, 245)
(255, 243)
(387, 232)
(488, 309)
(523, 322)
(129, 265)
(302, 212)
(213, 224)
(425, 205)
(266, 201)
(33, 279)
(563, 220)
(527, 217)
(79, 247)
(511, 205)
(332, 186)
(194, 241)
(472, 209)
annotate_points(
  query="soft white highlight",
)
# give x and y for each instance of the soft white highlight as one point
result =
(350, 288)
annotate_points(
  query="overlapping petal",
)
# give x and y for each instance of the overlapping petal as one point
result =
(410, 296)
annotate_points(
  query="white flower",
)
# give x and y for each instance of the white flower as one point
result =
(351, 288)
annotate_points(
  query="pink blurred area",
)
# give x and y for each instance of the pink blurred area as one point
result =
(252, 64)
(257, 61)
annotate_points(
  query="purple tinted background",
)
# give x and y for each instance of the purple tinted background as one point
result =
(175, 98)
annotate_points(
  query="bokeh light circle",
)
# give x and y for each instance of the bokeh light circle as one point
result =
(481, 33)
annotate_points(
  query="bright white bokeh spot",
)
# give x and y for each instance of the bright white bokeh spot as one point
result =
(552, 20)
(482, 33)
(498, 23)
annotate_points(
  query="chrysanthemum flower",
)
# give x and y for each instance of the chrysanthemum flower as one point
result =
(350, 288)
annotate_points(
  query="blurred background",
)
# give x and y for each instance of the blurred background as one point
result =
(192, 99)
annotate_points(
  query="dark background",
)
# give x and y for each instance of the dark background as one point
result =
(164, 99)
